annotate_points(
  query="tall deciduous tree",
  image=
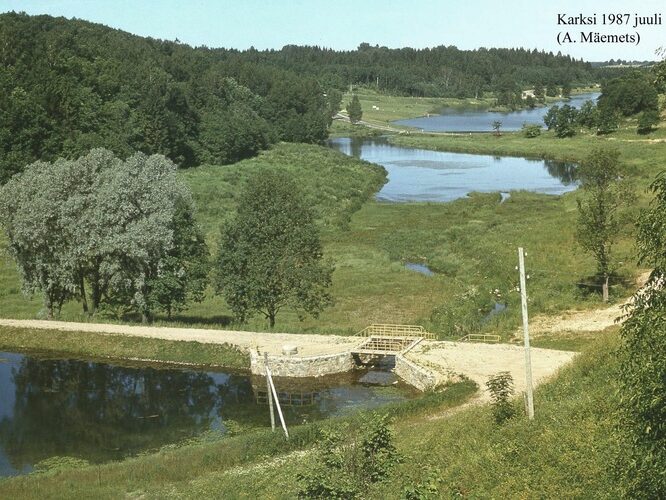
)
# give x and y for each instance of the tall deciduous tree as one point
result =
(270, 256)
(122, 229)
(643, 361)
(604, 193)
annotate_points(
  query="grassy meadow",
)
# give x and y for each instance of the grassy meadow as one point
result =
(470, 243)
(391, 108)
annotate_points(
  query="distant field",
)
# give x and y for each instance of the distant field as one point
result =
(391, 108)
(381, 109)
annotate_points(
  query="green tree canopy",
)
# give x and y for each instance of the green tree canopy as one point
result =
(629, 94)
(603, 194)
(270, 256)
(643, 361)
(119, 228)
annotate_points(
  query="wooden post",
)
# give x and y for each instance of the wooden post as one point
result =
(526, 336)
(270, 393)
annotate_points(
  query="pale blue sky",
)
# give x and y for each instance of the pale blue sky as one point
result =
(344, 24)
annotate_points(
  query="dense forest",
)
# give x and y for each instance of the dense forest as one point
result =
(67, 86)
(431, 72)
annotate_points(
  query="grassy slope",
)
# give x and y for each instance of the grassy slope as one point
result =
(175, 467)
(118, 347)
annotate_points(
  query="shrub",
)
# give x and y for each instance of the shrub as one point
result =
(531, 130)
(346, 464)
(501, 389)
(647, 121)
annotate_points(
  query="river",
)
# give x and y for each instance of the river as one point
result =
(424, 175)
(472, 120)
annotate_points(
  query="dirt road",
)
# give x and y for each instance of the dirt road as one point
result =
(480, 361)
(308, 345)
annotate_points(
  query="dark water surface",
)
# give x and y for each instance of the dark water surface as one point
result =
(101, 412)
(470, 120)
(424, 175)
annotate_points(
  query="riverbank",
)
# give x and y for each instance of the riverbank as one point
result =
(382, 110)
(78, 344)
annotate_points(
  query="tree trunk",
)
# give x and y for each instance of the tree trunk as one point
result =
(84, 300)
(96, 290)
(48, 305)
(146, 317)
(604, 290)
(271, 319)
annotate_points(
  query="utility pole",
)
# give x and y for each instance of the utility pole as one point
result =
(526, 335)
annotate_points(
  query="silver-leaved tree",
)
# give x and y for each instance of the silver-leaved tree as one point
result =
(106, 232)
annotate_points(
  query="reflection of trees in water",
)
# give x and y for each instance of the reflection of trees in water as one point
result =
(356, 145)
(99, 412)
(567, 173)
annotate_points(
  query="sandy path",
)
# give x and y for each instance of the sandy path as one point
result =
(595, 320)
(480, 361)
(577, 321)
(308, 345)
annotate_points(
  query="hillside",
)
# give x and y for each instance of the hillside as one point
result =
(68, 86)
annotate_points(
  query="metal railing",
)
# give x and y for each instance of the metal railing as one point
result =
(388, 330)
(480, 337)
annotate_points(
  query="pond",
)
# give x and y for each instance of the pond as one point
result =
(424, 175)
(101, 412)
(473, 120)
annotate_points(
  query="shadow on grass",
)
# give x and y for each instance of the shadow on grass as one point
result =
(220, 320)
(592, 285)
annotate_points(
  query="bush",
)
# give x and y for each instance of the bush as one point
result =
(346, 463)
(647, 121)
(501, 389)
(531, 130)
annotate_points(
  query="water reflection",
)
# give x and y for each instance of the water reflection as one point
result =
(102, 412)
(566, 172)
(424, 175)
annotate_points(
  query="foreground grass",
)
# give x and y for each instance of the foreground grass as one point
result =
(121, 347)
(174, 468)
(566, 452)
